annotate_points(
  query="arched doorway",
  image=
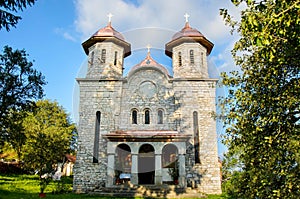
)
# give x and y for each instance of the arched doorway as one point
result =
(146, 164)
(170, 163)
(122, 163)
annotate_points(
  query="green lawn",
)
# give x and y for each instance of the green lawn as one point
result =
(27, 186)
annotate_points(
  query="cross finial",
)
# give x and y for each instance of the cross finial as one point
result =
(109, 17)
(186, 17)
(148, 47)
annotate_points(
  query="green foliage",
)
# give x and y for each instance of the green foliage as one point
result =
(261, 111)
(174, 171)
(15, 132)
(20, 85)
(7, 8)
(231, 172)
(48, 136)
(49, 133)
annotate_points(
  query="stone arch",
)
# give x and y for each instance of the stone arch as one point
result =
(146, 164)
(122, 160)
(169, 156)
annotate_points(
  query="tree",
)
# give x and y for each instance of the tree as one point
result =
(7, 8)
(20, 85)
(49, 135)
(261, 112)
(231, 172)
(16, 137)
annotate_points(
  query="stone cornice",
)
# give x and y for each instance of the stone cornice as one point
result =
(100, 79)
(147, 136)
(193, 79)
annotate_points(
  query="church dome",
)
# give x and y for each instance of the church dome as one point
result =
(149, 62)
(108, 31)
(188, 35)
(107, 34)
(187, 31)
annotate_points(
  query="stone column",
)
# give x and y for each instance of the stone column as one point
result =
(182, 174)
(158, 170)
(134, 169)
(110, 169)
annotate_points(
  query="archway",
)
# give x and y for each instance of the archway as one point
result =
(170, 163)
(122, 163)
(146, 164)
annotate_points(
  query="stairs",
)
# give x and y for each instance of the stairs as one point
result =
(149, 191)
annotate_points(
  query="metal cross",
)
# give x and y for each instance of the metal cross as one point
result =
(109, 17)
(186, 17)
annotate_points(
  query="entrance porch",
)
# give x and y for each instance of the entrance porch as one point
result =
(146, 157)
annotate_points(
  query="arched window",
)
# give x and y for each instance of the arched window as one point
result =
(97, 136)
(147, 117)
(202, 59)
(192, 56)
(196, 137)
(103, 55)
(179, 59)
(116, 58)
(160, 117)
(134, 117)
(92, 58)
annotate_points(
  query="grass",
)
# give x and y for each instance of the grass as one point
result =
(27, 187)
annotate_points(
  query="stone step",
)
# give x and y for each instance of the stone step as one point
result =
(149, 191)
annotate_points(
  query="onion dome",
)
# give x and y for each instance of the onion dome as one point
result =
(107, 34)
(149, 62)
(188, 35)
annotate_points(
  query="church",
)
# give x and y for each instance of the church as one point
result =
(148, 127)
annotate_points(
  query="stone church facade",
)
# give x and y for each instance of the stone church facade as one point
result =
(148, 127)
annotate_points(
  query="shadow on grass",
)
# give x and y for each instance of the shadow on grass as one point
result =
(16, 195)
(23, 195)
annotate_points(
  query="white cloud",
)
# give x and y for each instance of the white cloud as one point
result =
(166, 14)
(65, 34)
(155, 21)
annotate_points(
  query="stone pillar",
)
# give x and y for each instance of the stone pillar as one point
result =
(110, 170)
(134, 169)
(158, 170)
(182, 174)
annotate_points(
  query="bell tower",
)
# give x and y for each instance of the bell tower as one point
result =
(194, 94)
(106, 50)
(189, 50)
(99, 105)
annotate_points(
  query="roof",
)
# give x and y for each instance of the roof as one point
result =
(149, 62)
(107, 34)
(108, 31)
(188, 34)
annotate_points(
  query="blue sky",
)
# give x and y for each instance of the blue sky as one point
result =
(51, 32)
